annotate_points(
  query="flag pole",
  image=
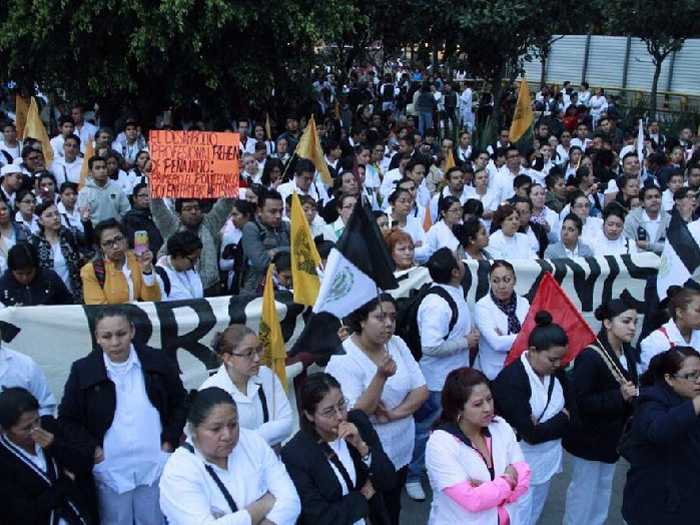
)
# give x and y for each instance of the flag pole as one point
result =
(610, 361)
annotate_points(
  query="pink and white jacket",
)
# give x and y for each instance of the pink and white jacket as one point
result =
(465, 491)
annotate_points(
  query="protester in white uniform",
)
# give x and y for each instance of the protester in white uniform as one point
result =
(401, 217)
(506, 242)
(177, 272)
(683, 329)
(499, 317)
(614, 241)
(532, 394)
(17, 369)
(467, 487)
(440, 234)
(130, 399)
(259, 395)
(224, 473)
(570, 244)
(379, 376)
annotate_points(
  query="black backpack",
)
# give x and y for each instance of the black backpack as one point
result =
(407, 316)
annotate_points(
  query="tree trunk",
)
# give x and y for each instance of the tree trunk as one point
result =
(497, 92)
(658, 61)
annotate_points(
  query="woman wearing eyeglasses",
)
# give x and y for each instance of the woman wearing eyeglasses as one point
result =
(336, 460)
(177, 273)
(262, 402)
(662, 447)
(117, 275)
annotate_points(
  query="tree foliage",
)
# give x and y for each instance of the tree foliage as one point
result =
(217, 52)
(662, 26)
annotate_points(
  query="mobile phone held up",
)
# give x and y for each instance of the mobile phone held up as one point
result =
(140, 242)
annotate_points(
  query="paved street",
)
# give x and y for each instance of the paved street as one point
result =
(414, 513)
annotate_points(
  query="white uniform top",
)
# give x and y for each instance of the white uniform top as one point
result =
(132, 444)
(450, 462)
(250, 411)
(434, 315)
(189, 494)
(440, 236)
(183, 285)
(544, 458)
(355, 371)
(517, 247)
(18, 369)
(494, 348)
(664, 338)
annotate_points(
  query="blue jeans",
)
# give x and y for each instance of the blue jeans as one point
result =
(415, 468)
(425, 122)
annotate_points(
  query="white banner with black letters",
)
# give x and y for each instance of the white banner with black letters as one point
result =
(55, 336)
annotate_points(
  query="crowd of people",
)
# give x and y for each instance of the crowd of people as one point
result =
(129, 445)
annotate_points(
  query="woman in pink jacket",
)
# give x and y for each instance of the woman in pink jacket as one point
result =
(475, 465)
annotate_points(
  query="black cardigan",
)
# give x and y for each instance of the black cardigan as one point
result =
(322, 502)
(25, 496)
(602, 410)
(512, 393)
(89, 397)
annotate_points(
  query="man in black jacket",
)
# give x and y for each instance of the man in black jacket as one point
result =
(139, 218)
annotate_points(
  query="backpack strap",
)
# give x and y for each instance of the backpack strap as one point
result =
(438, 290)
(210, 470)
(98, 265)
(263, 402)
(164, 277)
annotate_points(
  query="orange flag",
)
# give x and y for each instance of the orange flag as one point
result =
(268, 129)
(21, 110)
(450, 163)
(428, 221)
(309, 147)
(551, 296)
(35, 128)
(89, 153)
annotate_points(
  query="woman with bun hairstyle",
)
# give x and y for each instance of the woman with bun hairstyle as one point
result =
(683, 329)
(604, 383)
(475, 465)
(473, 239)
(261, 400)
(533, 396)
(663, 445)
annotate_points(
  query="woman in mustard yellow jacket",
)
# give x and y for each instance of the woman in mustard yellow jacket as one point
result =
(118, 276)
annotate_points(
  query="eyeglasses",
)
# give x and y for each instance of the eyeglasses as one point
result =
(455, 210)
(691, 376)
(259, 351)
(114, 242)
(582, 205)
(28, 201)
(35, 157)
(340, 408)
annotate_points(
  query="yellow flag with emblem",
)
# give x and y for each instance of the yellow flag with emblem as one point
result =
(309, 147)
(21, 110)
(304, 255)
(270, 332)
(523, 116)
(35, 128)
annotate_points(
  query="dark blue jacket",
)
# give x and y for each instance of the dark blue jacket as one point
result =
(663, 481)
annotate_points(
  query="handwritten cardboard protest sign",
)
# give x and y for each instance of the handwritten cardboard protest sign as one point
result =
(196, 164)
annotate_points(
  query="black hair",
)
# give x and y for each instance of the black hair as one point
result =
(353, 320)
(441, 264)
(525, 200)
(609, 310)
(268, 195)
(74, 137)
(500, 263)
(521, 180)
(112, 311)
(183, 243)
(21, 194)
(547, 334)
(179, 203)
(41, 208)
(668, 362)
(576, 220)
(244, 207)
(467, 231)
(304, 166)
(93, 159)
(138, 187)
(473, 207)
(270, 164)
(444, 204)
(200, 404)
(615, 209)
(282, 261)
(646, 189)
(22, 256)
(15, 401)
(314, 388)
(69, 185)
(107, 224)
(396, 194)
(679, 298)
